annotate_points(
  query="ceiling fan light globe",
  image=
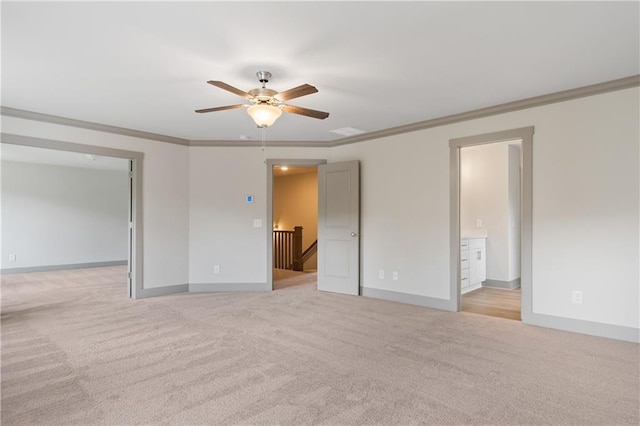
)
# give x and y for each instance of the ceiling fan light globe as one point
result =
(264, 115)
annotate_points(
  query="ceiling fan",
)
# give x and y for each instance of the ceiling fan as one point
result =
(266, 105)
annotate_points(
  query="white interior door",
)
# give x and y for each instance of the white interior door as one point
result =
(339, 227)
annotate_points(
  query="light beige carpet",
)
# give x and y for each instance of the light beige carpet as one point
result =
(75, 350)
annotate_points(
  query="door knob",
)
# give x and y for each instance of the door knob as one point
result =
(353, 234)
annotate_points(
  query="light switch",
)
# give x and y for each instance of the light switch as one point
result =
(257, 223)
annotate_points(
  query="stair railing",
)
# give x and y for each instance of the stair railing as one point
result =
(287, 249)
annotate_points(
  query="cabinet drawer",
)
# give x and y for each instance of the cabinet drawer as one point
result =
(464, 244)
(464, 264)
(464, 283)
(464, 255)
(464, 274)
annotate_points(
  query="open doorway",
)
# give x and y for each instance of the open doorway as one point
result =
(60, 159)
(292, 212)
(295, 225)
(490, 229)
(461, 253)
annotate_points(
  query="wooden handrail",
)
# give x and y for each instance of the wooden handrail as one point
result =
(310, 251)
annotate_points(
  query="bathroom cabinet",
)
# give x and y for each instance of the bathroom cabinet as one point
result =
(473, 263)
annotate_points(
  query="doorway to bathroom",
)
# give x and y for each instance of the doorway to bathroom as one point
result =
(491, 214)
(490, 229)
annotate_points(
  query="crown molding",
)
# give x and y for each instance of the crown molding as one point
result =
(47, 118)
(551, 98)
(254, 143)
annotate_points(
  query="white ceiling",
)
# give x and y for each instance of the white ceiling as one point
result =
(377, 65)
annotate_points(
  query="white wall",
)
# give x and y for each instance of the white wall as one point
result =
(295, 203)
(221, 222)
(165, 194)
(585, 206)
(54, 215)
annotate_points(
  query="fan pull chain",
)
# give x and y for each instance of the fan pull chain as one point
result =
(264, 155)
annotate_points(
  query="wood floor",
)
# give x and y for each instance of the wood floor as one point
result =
(493, 302)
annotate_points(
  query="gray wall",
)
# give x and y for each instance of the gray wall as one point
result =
(55, 215)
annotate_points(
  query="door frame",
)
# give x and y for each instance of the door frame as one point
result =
(270, 163)
(135, 261)
(526, 193)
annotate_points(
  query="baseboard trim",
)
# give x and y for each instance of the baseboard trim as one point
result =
(411, 299)
(610, 331)
(48, 268)
(628, 334)
(162, 291)
(217, 287)
(507, 285)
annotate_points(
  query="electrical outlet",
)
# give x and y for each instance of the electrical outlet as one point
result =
(395, 275)
(12, 258)
(257, 223)
(576, 297)
(216, 269)
(478, 223)
(381, 274)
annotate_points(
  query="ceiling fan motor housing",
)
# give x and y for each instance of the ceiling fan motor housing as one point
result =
(263, 76)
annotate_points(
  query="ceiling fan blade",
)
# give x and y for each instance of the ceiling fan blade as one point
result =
(305, 111)
(222, 108)
(231, 89)
(296, 92)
